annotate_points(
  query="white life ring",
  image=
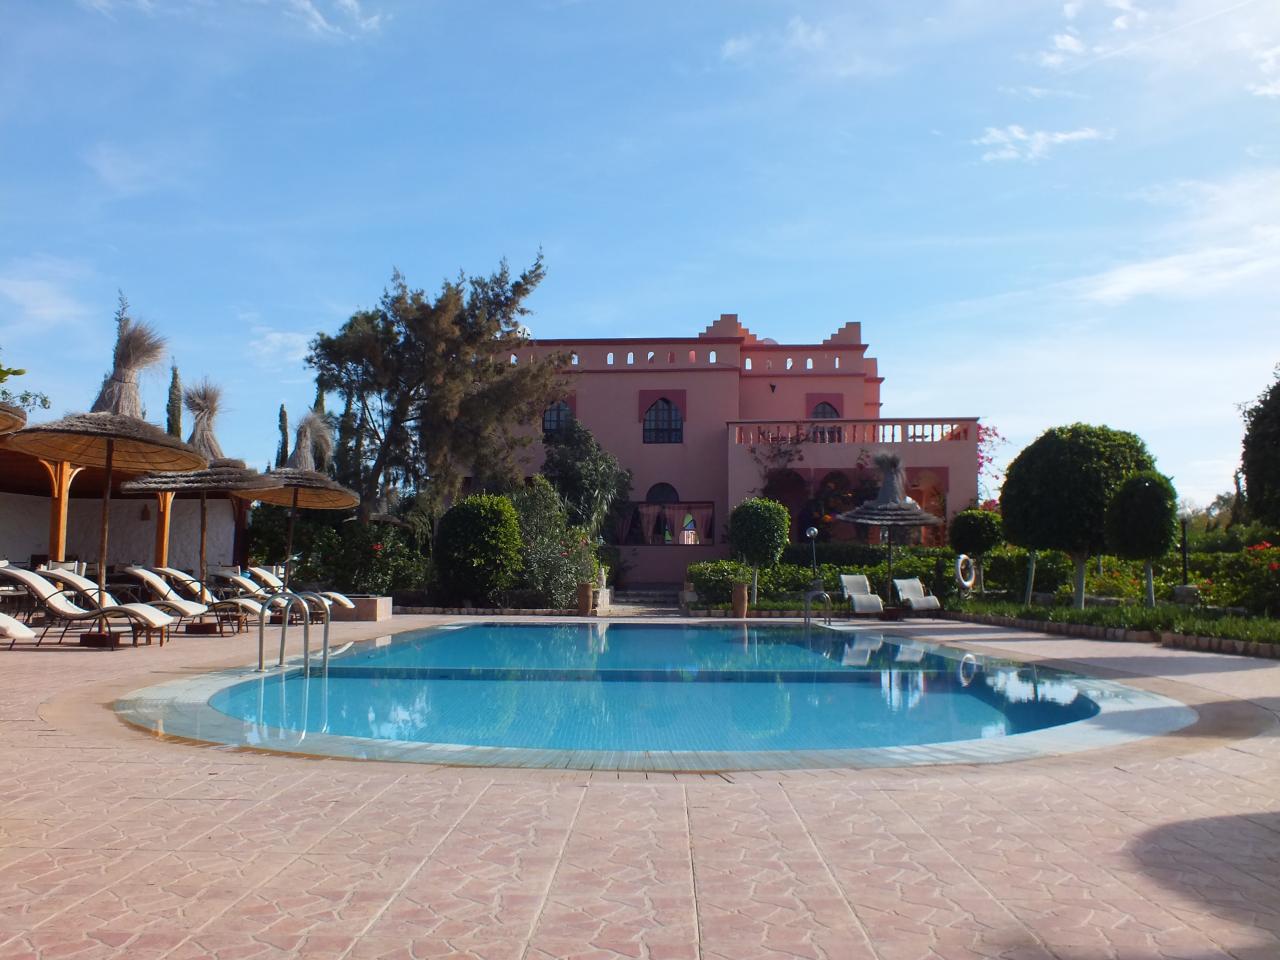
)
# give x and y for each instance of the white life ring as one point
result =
(968, 669)
(966, 572)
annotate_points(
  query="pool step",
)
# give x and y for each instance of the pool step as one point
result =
(646, 601)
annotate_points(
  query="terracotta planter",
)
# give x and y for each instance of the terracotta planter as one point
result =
(739, 600)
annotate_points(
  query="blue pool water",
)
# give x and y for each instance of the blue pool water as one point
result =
(641, 687)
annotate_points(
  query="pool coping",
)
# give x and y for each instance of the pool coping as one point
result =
(180, 709)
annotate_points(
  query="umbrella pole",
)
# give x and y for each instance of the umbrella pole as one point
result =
(203, 529)
(288, 540)
(102, 539)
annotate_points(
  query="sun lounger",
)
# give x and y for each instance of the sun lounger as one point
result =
(57, 604)
(198, 591)
(857, 590)
(911, 593)
(175, 607)
(14, 630)
(274, 583)
(234, 608)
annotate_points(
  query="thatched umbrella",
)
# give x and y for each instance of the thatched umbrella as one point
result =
(224, 475)
(111, 441)
(11, 418)
(138, 346)
(300, 484)
(891, 508)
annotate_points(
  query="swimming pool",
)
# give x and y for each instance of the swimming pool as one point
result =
(646, 696)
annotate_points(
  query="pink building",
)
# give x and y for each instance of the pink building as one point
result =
(704, 422)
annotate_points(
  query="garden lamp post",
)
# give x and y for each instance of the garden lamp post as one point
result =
(1183, 518)
(812, 534)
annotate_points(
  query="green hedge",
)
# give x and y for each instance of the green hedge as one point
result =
(853, 553)
(714, 579)
(1173, 618)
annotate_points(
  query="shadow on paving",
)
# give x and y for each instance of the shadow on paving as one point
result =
(1225, 867)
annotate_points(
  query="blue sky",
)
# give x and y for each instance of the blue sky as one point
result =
(1041, 212)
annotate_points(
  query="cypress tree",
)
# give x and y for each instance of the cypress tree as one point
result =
(282, 453)
(173, 425)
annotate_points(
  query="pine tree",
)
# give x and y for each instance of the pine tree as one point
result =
(173, 425)
(318, 405)
(282, 453)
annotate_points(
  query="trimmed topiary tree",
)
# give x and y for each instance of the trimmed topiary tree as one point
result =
(1056, 491)
(759, 529)
(1260, 460)
(477, 552)
(975, 532)
(1141, 521)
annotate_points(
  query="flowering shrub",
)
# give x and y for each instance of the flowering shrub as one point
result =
(557, 557)
(1249, 578)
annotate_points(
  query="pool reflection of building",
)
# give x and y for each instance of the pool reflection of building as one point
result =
(700, 422)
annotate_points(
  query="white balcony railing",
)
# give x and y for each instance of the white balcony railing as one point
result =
(860, 432)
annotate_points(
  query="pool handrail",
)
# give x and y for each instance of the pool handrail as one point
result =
(808, 602)
(290, 599)
(323, 609)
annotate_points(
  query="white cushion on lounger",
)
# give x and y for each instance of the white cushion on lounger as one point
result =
(12, 629)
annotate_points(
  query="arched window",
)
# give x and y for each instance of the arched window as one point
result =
(651, 356)
(631, 359)
(554, 419)
(671, 356)
(514, 359)
(746, 364)
(790, 363)
(693, 356)
(837, 363)
(663, 423)
(662, 493)
(573, 359)
(808, 363)
(825, 411)
(711, 357)
(608, 358)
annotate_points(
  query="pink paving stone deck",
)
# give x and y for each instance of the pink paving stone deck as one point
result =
(116, 844)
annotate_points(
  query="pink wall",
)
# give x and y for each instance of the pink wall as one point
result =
(707, 377)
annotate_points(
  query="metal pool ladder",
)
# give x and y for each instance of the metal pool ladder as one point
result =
(290, 600)
(808, 602)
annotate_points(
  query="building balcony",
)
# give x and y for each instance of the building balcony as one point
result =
(862, 433)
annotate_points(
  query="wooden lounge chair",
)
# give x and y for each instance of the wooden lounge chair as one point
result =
(57, 604)
(911, 593)
(857, 590)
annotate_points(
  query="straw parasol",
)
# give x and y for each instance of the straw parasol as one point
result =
(300, 485)
(11, 418)
(223, 475)
(111, 441)
(891, 508)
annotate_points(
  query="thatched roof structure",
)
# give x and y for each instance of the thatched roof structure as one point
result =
(891, 507)
(203, 401)
(221, 476)
(314, 491)
(300, 484)
(11, 418)
(138, 346)
(81, 438)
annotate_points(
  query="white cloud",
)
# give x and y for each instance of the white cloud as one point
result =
(273, 349)
(1068, 43)
(1017, 143)
(1071, 10)
(1228, 243)
(345, 18)
(36, 294)
(804, 36)
(737, 48)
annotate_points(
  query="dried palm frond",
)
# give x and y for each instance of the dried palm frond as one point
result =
(138, 346)
(203, 401)
(313, 443)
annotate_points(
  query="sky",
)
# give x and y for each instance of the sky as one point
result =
(1040, 212)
